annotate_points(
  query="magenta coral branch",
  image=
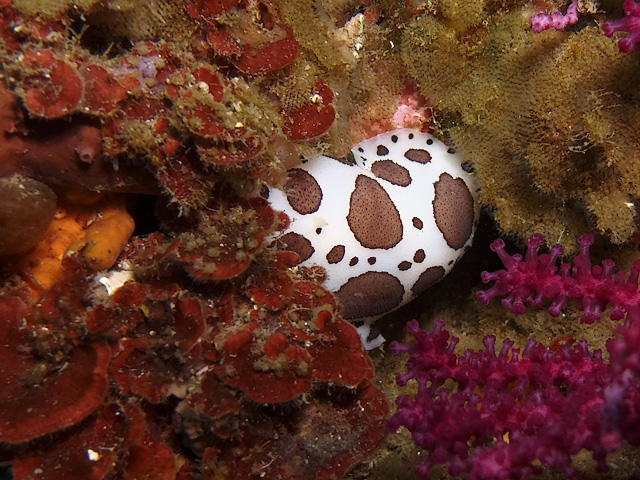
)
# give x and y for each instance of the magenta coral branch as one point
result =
(538, 278)
(505, 414)
(629, 23)
(557, 20)
(510, 410)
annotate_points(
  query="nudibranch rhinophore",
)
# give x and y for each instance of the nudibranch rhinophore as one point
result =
(385, 228)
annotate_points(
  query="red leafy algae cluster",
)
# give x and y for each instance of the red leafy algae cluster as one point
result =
(512, 412)
(191, 349)
(154, 100)
(177, 380)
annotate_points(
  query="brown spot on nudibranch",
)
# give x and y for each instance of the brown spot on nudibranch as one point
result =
(353, 262)
(404, 265)
(391, 172)
(419, 256)
(336, 254)
(373, 218)
(417, 223)
(453, 210)
(418, 155)
(303, 192)
(381, 150)
(429, 277)
(297, 243)
(369, 294)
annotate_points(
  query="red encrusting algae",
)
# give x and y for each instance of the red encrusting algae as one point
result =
(163, 354)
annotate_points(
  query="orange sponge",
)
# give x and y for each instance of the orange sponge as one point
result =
(99, 237)
(106, 237)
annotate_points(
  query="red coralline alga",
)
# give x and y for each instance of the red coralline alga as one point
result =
(151, 102)
(314, 119)
(54, 88)
(157, 103)
(90, 453)
(321, 439)
(63, 397)
(71, 157)
(264, 337)
(52, 85)
(256, 44)
(213, 250)
(290, 357)
(200, 345)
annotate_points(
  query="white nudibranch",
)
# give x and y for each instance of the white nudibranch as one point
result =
(385, 228)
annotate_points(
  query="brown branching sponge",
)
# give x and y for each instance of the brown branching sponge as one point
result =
(550, 121)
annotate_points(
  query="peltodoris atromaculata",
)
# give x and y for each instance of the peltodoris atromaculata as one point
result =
(386, 227)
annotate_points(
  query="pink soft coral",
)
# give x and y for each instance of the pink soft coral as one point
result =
(506, 414)
(509, 411)
(557, 20)
(629, 23)
(538, 278)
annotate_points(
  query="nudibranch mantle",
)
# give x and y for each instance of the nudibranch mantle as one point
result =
(385, 228)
